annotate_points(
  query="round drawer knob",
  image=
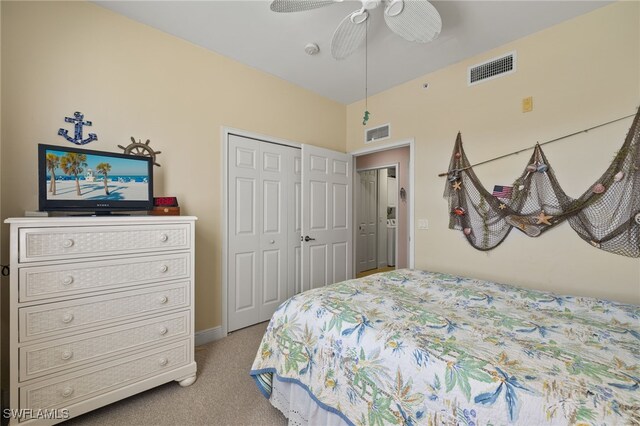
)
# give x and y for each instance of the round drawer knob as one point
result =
(164, 268)
(163, 330)
(67, 243)
(272, 242)
(67, 318)
(67, 392)
(163, 299)
(164, 237)
(163, 361)
(68, 280)
(67, 355)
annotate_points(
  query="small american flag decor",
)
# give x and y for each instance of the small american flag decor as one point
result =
(502, 191)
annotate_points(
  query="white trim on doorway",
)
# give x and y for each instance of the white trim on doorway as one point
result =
(385, 147)
(224, 139)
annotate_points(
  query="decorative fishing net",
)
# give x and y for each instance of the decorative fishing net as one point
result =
(607, 215)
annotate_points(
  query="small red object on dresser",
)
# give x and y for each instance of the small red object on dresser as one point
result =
(165, 206)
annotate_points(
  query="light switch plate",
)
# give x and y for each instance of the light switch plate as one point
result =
(423, 224)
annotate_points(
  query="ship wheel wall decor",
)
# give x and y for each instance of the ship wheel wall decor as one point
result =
(141, 149)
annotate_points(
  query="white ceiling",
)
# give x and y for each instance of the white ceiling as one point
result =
(249, 32)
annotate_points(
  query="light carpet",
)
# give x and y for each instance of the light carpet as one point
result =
(224, 393)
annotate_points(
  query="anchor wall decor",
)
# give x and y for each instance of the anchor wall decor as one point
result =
(78, 120)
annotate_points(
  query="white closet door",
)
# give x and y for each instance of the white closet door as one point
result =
(277, 174)
(260, 175)
(295, 226)
(326, 217)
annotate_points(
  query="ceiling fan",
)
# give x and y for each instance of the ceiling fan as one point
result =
(413, 20)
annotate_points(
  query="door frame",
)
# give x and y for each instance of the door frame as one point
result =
(355, 197)
(410, 142)
(224, 139)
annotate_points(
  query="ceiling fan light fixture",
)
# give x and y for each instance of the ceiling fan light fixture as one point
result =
(413, 20)
(394, 8)
(359, 16)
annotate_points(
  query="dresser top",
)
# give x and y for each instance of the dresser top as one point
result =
(96, 220)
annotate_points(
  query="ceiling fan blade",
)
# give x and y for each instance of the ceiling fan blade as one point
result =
(298, 5)
(350, 34)
(417, 21)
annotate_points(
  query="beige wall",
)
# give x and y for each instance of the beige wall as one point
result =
(132, 80)
(580, 73)
(386, 158)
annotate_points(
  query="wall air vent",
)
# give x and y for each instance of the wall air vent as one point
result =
(377, 133)
(493, 68)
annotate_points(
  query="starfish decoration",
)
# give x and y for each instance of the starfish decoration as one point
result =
(543, 218)
(457, 185)
(503, 206)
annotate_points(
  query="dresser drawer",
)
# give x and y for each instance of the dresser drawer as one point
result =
(39, 244)
(62, 317)
(65, 390)
(42, 282)
(59, 354)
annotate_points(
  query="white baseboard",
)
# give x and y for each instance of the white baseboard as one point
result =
(209, 335)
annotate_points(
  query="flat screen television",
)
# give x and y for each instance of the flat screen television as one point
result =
(73, 179)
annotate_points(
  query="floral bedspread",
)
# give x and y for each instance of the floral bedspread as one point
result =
(413, 347)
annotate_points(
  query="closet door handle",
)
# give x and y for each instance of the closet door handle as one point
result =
(308, 238)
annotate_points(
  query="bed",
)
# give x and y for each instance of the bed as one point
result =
(414, 347)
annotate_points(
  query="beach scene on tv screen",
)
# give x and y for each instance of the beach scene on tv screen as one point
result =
(79, 176)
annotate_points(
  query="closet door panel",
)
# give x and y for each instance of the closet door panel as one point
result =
(264, 229)
(244, 269)
(276, 175)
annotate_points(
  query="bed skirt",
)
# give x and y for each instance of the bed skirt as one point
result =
(297, 405)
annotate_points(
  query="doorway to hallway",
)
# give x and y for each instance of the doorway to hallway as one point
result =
(392, 167)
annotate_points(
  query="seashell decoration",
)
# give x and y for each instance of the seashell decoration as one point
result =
(598, 188)
(637, 218)
(532, 168)
(618, 176)
(452, 177)
(458, 155)
(542, 168)
(459, 211)
(467, 231)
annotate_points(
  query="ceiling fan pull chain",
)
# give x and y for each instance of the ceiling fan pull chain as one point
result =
(366, 74)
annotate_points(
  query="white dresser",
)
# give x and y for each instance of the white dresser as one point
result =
(100, 309)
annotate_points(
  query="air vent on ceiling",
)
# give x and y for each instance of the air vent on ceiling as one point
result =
(493, 68)
(377, 133)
